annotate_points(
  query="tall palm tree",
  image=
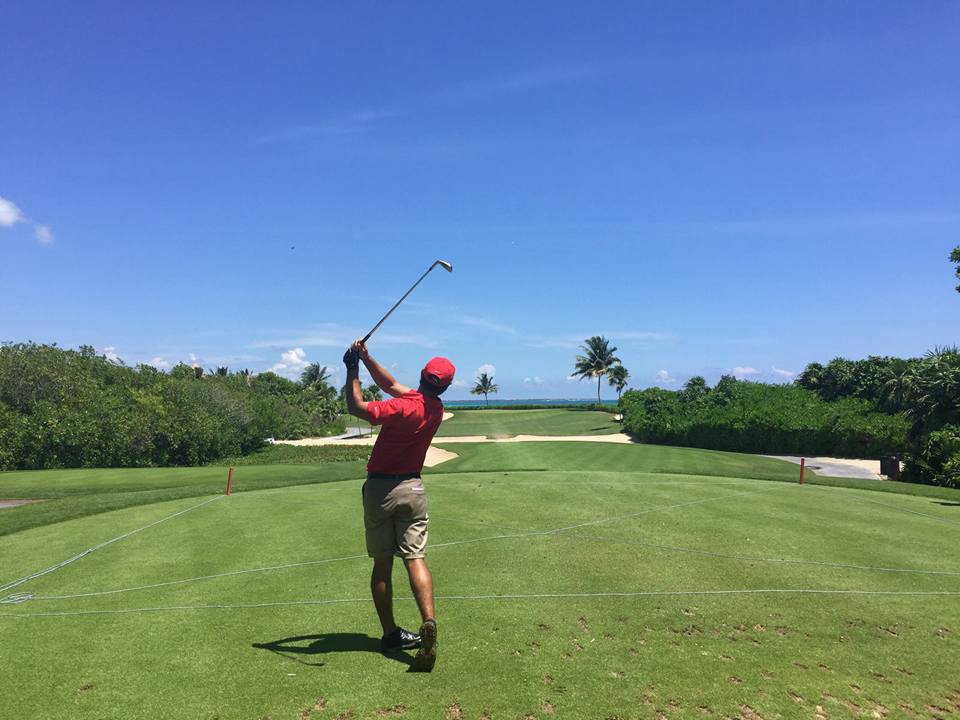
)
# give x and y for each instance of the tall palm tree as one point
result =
(596, 362)
(484, 386)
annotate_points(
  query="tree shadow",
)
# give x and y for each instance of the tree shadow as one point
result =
(299, 647)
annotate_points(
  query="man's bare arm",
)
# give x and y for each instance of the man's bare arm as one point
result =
(387, 382)
(355, 403)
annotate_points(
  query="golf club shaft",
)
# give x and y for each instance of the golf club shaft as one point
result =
(389, 312)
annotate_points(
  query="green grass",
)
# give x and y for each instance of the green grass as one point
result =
(299, 455)
(523, 539)
(505, 423)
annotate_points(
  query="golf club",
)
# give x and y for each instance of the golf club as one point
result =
(442, 263)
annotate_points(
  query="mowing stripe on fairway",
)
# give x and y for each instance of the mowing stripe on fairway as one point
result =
(531, 533)
(745, 558)
(52, 568)
(517, 596)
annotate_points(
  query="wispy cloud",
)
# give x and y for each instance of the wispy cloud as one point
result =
(345, 124)
(43, 234)
(535, 380)
(784, 374)
(574, 341)
(487, 324)
(544, 77)
(336, 336)
(744, 372)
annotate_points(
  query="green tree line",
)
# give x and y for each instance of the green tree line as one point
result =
(74, 408)
(743, 416)
(848, 408)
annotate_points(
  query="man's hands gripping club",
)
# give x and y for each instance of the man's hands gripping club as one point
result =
(351, 359)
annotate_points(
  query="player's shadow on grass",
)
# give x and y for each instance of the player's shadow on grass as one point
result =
(946, 503)
(301, 647)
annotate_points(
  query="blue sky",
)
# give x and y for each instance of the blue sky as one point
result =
(715, 187)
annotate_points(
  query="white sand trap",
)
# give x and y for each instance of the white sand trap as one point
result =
(435, 455)
(446, 416)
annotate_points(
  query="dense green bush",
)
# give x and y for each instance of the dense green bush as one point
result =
(66, 408)
(938, 459)
(755, 417)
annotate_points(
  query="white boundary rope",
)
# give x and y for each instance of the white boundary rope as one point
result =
(22, 597)
(46, 571)
(518, 596)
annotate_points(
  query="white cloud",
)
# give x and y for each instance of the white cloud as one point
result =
(110, 353)
(663, 378)
(535, 380)
(488, 369)
(785, 374)
(573, 378)
(743, 372)
(10, 214)
(292, 362)
(160, 363)
(43, 234)
(460, 384)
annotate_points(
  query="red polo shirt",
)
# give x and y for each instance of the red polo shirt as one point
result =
(409, 424)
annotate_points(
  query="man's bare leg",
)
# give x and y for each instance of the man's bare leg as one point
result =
(421, 583)
(381, 587)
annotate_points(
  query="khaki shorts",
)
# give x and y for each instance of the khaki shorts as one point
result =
(395, 517)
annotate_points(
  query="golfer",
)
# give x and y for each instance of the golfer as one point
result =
(394, 502)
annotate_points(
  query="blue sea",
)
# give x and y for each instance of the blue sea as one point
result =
(535, 401)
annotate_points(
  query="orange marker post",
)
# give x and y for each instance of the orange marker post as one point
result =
(802, 469)
(230, 480)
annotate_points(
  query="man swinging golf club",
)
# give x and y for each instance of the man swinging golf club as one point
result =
(394, 502)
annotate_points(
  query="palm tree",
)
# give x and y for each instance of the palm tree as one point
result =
(314, 374)
(484, 386)
(617, 377)
(898, 385)
(597, 361)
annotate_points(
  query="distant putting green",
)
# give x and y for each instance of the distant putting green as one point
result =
(573, 579)
(506, 423)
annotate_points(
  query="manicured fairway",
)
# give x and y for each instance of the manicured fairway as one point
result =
(573, 579)
(504, 423)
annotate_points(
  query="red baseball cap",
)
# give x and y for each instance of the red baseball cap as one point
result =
(438, 372)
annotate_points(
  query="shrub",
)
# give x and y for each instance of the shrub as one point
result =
(754, 417)
(938, 459)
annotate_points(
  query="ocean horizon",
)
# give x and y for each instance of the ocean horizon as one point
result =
(530, 401)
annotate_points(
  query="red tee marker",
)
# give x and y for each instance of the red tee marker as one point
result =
(229, 480)
(802, 469)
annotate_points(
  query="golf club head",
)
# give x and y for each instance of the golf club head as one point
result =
(445, 265)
